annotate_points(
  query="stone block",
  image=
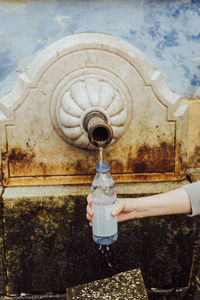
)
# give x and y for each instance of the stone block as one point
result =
(40, 248)
(125, 285)
(2, 258)
(196, 273)
(49, 244)
(193, 134)
(197, 287)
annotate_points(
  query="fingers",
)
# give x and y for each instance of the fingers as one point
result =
(89, 199)
(89, 216)
(89, 213)
(89, 219)
(89, 208)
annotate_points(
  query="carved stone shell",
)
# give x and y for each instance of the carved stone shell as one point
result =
(89, 95)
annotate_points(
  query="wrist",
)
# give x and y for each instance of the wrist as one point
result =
(144, 207)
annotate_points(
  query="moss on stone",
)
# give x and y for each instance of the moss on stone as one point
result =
(2, 258)
(49, 244)
(126, 285)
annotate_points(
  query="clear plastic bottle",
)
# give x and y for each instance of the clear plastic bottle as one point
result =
(103, 201)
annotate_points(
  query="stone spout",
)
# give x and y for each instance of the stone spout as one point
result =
(92, 112)
(99, 131)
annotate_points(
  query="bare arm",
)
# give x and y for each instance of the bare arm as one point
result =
(172, 202)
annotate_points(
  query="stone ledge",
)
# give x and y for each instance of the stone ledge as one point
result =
(44, 192)
(193, 174)
(125, 285)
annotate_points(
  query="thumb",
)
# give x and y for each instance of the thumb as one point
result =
(119, 207)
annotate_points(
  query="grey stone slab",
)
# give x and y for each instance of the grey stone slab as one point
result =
(44, 192)
(125, 285)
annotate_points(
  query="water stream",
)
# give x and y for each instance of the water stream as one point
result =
(101, 154)
(105, 251)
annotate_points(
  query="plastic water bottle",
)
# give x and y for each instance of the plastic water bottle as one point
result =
(103, 201)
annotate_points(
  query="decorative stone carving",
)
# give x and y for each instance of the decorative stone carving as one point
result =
(40, 146)
(85, 96)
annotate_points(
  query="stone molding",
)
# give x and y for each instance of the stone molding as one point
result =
(85, 95)
(86, 41)
(37, 143)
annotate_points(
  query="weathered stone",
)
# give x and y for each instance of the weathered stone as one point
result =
(137, 189)
(197, 286)
(196, 274)
(2, 258)
(49, 244)
(38, 243)
(193, 174)
(58, 90)
(25, 296)
(193, 133)
(126, 285)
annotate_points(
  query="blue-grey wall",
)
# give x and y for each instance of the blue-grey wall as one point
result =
(166, 32)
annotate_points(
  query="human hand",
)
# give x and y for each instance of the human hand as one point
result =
(168, 203)
(122, 209)
(89, 211)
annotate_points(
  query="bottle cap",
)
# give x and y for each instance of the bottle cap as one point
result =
(103, 167)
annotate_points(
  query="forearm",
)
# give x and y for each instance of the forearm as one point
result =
(172, 202)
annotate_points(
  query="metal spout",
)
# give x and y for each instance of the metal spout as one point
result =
(99, 131)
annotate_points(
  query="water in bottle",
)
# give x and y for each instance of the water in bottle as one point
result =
(103, 201)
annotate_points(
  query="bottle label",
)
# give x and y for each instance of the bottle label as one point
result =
(104, 224)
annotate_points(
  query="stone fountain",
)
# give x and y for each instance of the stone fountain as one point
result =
(48, 159)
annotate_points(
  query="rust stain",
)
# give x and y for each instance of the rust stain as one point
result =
(17, 155)
(116, 166)
(87, 179)
(194, 159)
(147, 159)
(43, 168)
(83, 166)
(144, 163)
(181, 159)
(157, 159)
(20, 161)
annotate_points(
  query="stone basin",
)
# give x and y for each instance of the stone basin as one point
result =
(47, 243)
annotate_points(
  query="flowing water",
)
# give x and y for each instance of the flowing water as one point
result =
(105, 252)
(101, 154)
